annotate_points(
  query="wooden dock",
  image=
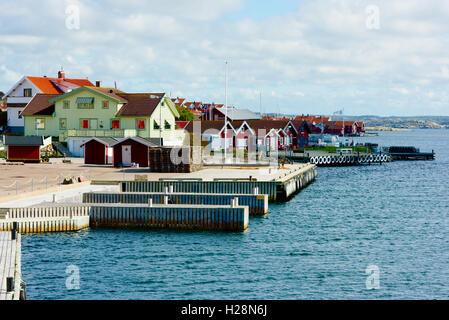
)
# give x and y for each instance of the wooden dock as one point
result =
(10, 266)
(257, 203)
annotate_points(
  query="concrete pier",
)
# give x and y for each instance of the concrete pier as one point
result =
(154, 216)
(45, 219)
(279, 189)
(257, 203)
(233, 217)
(10, 266)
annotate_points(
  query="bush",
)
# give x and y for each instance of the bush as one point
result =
(3, 119)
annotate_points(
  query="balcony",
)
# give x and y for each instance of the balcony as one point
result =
(87, 133)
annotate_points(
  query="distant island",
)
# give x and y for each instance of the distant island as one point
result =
(394, 123)
(376, 123)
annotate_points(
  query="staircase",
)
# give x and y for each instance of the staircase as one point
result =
(62, 149)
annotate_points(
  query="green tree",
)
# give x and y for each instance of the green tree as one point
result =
(185, 114)
(3, 119)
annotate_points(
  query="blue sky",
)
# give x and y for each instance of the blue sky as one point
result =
(261, 10)
(368, 57)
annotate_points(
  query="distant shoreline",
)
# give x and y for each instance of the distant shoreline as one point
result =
(387, 129)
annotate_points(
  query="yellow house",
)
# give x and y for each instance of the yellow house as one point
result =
(102, 112)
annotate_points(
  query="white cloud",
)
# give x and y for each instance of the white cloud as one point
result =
(324, 48)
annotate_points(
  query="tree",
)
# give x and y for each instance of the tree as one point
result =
(185, 114)
(3, 119)
(1, 95)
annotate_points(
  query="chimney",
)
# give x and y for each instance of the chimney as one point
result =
(61, 74)
(98, 84)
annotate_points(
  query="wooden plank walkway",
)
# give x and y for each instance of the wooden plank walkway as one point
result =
(10, 265)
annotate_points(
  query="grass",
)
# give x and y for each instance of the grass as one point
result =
(332, 149)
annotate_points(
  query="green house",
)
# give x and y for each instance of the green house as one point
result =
(102, 112)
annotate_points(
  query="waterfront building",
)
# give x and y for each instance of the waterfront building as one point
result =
(26, 88)
(91, 111)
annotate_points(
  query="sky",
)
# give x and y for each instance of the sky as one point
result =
(300, 57)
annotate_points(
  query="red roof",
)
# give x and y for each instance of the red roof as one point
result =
(53, 85)
(340, 123)
(312, 119)
(182, 124)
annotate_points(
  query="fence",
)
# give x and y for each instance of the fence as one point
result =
(34, 184)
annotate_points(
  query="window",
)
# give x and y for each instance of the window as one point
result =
(85, 105)
(27, 92)
(40, 124)
(62, 123)
(85, 102)
(115, 124)
(84, 124)
(155, 125)
(105, 104)
(167, 125)
(18, 115)
(140, 124)
(66, 104)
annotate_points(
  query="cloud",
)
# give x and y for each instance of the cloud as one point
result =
(323, 47)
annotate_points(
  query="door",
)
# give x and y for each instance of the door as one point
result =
(126, 155)
(93, 124)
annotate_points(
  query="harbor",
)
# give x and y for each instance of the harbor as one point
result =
(188, 202)
(324, 238)
(226, 198)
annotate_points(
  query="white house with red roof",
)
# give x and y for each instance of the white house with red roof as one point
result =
(27, 87)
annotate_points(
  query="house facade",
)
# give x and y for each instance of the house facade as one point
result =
(340, 127)
(88, 112)
(27, 87)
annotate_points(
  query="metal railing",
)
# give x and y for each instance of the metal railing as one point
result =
(34, 184)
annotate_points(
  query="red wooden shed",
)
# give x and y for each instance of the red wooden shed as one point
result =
(99, 150)
(24, 148)
(133, 150)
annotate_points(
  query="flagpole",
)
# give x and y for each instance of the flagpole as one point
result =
(226, 109)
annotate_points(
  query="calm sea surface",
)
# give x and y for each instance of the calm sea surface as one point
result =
(316, 246)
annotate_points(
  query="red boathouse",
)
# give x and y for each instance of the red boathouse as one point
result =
(133, 150)
(24, 148)
(99, 150)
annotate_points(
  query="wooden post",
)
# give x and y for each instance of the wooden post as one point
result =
(9, 284)
(14, 231)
